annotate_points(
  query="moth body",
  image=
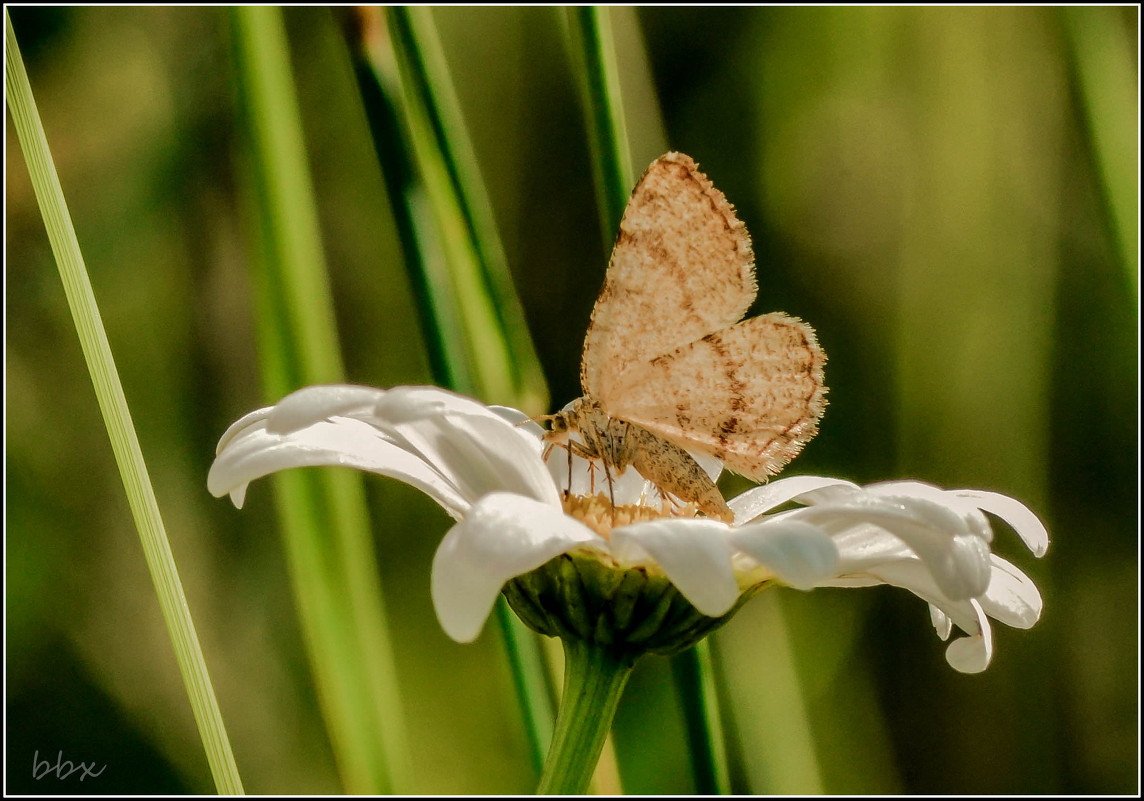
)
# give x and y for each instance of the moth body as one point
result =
(618, 444)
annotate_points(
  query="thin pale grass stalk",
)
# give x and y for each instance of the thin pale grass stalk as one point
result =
(325, 521)
(594, 55)
(117, 419)
(471, 319)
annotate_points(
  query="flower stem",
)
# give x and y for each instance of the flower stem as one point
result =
(594, 678)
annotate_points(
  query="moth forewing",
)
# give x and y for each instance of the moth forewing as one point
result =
(682, 267)
(668, 368)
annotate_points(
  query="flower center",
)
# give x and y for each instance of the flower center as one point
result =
(599, 514)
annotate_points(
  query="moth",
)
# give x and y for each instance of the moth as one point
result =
(667, 365)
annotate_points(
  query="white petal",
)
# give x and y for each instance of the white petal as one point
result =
(942, 623)
(969, 654)
(1028, 527)
(411, 404)
(850, 582)
(911, 574)
(693, 553)
(341, 442)
(519, 420)
(313, 404)
(502, 536)
(475, 448)
(249, 420)
(1012, 598)
(757, 500)
(958, 559)
(416, 405)
(972, 654)
(800, 555)
(865, 546)
(971, 515)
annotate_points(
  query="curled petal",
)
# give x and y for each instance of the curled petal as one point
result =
(693, 553)
(255, 452)
(972, 654)
(414, 404)
(314, 404)
(1012, 598)
(1028, 527)
(800, 555)
(758, 500)
(255, 419)
(865, 545)
(905, 491)
(502, 536)
(957, 558)
(910, 574)
(475, 448)
(941, 622)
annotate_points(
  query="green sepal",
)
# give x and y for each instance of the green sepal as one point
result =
(634, 610)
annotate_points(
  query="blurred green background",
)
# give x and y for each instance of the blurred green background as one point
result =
(948, 195)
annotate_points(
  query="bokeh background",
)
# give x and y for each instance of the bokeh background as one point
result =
(932, 188)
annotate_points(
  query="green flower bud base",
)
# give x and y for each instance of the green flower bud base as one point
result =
(585, 596)
(607, 617)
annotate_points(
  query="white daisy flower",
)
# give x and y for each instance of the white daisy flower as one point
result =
(647, 572)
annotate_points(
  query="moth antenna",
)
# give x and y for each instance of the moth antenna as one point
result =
(540, 418)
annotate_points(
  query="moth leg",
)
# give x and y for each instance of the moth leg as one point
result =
(567, 446)
(666, 497)
(588, 454)
(611, 488)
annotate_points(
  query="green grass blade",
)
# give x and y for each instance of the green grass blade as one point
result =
(695, 679)
(425, 257)
(527, 662)
(1105, 74)
(768, 715)
(325, 523)
(486, 289)
(471, 318)
(450, 234)
(117, 419)
(594, 54)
